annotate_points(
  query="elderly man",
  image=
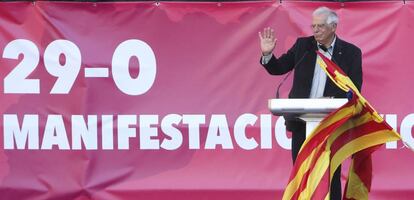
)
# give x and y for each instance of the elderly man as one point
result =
(310, 81)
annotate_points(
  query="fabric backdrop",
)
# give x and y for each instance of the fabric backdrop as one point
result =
(168, 100)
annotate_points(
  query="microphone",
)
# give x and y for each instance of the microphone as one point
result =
(326, 50)
(287, 75)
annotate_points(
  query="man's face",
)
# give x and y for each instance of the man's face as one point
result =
(322, 32)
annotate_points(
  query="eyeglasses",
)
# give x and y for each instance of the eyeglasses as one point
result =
(318, 26)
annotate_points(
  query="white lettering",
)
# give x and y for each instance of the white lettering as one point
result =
(280, 134)
(88, 134)
(194, 122)
(266, 131)
(240, 131)
(125, 131)
(406, 127)
(107, 132)
(176, 136)
(218, 133)
(391, 119)
(54, 124)
(29, 131)
(147, 132)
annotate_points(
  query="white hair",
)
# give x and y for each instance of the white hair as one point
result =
(332, 17)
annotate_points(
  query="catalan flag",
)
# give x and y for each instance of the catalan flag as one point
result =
(355, 129)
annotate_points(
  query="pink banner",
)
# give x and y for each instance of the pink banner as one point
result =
(169, 101)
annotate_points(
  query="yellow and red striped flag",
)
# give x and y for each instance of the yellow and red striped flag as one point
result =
(355, 129)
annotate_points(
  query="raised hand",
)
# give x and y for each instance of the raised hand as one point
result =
(267, 40)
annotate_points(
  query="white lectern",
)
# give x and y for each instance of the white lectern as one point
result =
(312, 111)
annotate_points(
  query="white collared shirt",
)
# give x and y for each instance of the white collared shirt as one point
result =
(319, 76)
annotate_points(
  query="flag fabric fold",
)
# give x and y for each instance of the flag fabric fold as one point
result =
(354, 130)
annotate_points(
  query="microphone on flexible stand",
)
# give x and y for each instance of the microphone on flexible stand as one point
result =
(287, 75)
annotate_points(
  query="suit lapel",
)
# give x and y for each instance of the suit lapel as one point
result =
(330, 87)
(337, 53)
(309, 64)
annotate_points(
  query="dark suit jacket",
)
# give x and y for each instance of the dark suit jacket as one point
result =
(302, 57)
(347, 56)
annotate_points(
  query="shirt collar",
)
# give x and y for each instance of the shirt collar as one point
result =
(332, 44)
